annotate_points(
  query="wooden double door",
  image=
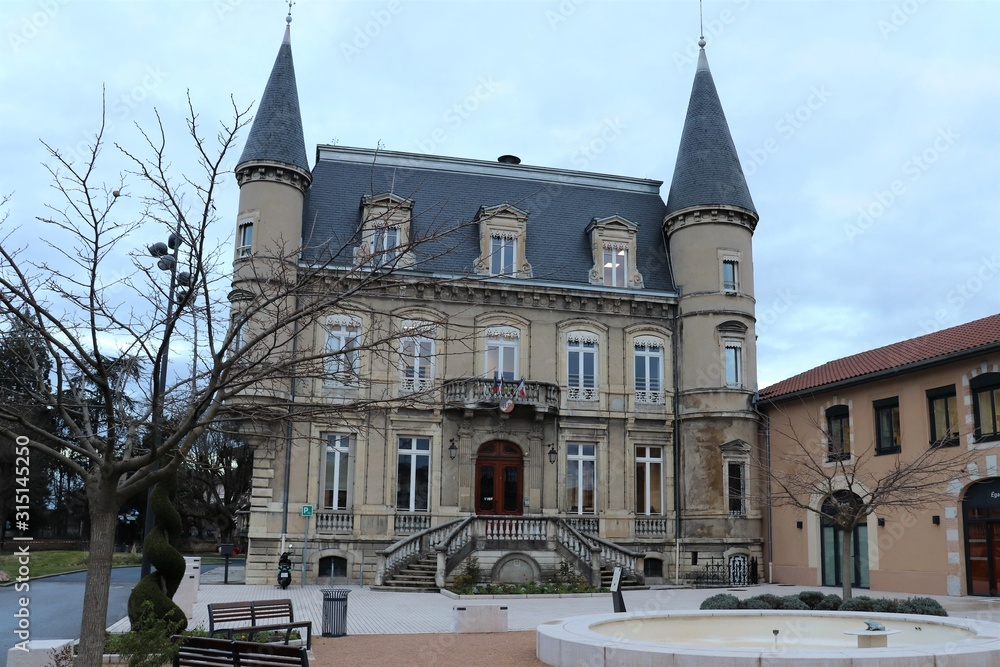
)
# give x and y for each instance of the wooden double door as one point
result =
(499, 479)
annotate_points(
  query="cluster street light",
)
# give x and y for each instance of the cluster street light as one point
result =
(180, 281)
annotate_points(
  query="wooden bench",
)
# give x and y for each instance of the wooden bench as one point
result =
(208, 652)
(253, 617)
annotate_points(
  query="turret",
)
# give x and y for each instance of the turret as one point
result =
(273, 172)
(709, 224)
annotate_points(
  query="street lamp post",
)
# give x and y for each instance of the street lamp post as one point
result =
(166, 254)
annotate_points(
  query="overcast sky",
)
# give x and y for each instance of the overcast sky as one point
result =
(869, 131)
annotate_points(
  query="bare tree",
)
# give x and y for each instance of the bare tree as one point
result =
(101, 363)
(844, 488)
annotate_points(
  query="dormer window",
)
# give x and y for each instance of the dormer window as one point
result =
(613, 243)
(386, 243)
(385, 231)
(503, 253)
(615, 264)
(502, 240)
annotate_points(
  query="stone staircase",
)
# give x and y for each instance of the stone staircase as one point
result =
(418, 576)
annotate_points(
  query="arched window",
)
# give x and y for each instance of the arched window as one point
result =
(648, 366)
(832, 536)
(581, 366)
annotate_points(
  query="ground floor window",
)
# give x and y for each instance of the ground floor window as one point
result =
(336, 469)
(581, 478)
(413, 466)
(648, 480)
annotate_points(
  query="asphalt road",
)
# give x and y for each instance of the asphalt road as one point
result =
(56, 606)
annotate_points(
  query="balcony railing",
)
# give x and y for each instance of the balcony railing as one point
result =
(480, 392)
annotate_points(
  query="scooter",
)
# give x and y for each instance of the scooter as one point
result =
(285, 569)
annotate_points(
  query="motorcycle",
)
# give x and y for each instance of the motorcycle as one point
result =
(285, 569)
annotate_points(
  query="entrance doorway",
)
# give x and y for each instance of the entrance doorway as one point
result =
(499, 479)
(981, 514)
(832, 541)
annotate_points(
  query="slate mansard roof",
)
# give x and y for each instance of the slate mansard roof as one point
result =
(448, 192)
(707, 171)
(276, 134)
(941, 346)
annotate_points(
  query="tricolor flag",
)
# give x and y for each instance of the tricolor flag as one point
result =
(522, 391)
(497, 384)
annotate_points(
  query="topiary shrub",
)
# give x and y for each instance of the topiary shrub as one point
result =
(860, 603)
(885, 606)
(772, 601)
(721, 601)
(793, 603)
(921, 605)
(754, 603)
(830, 603)
(151, 598)
(811, 598)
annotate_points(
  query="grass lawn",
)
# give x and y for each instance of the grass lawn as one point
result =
(55, 562)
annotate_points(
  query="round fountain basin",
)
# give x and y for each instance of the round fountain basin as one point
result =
(747, 638)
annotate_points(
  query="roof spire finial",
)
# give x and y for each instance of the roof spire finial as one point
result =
(701, 23)
(288, 19)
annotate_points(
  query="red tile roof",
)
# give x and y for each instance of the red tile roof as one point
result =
(926, 348)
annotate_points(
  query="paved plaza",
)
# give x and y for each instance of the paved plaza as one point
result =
(383, 612)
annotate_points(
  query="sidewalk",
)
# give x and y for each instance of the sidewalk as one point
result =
(382, 612)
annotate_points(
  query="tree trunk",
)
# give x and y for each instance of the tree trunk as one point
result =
(846, 569)
(103, 519)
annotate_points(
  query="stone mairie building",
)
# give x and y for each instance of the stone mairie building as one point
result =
(578, 350)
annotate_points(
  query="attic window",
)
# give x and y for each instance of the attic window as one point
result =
(385, 232)
(614, 248)
(502, 240)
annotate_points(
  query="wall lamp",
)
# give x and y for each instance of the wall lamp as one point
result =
(552, 454)
(452, 450)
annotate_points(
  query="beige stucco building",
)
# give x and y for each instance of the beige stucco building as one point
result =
(871, 411)
(527, 364)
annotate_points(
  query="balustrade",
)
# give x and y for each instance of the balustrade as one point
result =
(651, 527)
(411, 523)
(334, 522)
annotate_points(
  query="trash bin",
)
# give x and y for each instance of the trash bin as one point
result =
(335, 612)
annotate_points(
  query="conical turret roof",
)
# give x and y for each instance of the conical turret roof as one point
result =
(276, 133)
(708, 171)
